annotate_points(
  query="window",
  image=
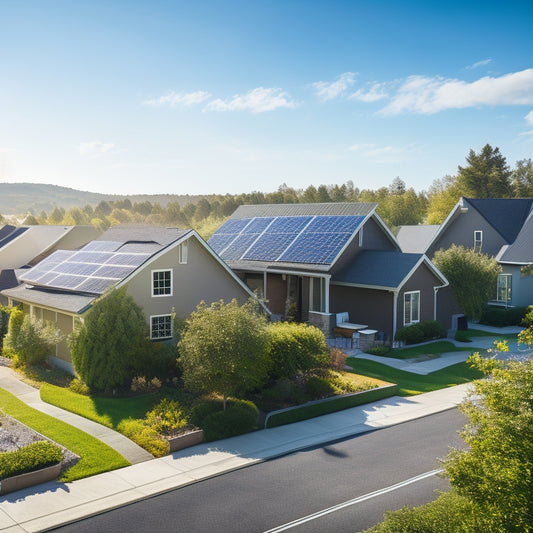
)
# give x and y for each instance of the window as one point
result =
(411, 308)
(317, 294)
(504, 289)
(478, 240)
(183, 252)
(161, 327)
(161, 282)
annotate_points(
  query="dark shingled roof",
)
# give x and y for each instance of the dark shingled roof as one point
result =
(137, 233)
(293, 210)
(378, 268)
(8, 279)
(505, 215)
(521, 251)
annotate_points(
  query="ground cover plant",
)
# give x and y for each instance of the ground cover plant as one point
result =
(32, 457)
(95, 456)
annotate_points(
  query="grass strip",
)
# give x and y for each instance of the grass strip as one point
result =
(296, 414)
(438, 347)
(106, 411)
(95, 456)
(410, 384)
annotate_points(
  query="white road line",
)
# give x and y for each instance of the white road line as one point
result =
(355, 501)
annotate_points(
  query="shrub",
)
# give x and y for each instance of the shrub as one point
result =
(282, 392)
(77, 386)
(202, 410)
(5, 313)
(240, 416)
(145, 436)
(319, 387)
(29, 458)
(500, 318)
(141, 384)
(338, 359)
(378, 350)
(423, 331)
(159, 361)
(295, 347)
(166, 417)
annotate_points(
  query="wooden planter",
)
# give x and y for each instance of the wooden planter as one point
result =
(23, 481)
(185, 440)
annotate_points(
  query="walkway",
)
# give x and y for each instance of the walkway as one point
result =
(10, 381)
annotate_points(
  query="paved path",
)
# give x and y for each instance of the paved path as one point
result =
(10, 381)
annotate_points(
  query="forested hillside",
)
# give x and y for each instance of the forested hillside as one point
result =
(486, 175)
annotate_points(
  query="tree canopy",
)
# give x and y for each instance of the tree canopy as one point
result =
(223, 349)
(472, 276)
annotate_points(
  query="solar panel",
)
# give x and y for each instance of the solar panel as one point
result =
(85, 269)
(13, 235)
(139, 247)
(295, 239)
(102, 246)
(98, 258)
(114, 272)
(95, 285)
(66, 281)
(127, 259)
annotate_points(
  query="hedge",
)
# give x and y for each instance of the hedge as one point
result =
(330, 405)
(29, 458)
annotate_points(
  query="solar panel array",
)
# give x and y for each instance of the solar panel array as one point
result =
(9, 236)
(293, 239)
(92, 269)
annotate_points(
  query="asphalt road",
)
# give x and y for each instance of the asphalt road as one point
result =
(343, 486)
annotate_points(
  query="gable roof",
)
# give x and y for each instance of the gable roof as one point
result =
(312, 236)
(416, 239)
(521, 250)
(505, 215)
(383, 269)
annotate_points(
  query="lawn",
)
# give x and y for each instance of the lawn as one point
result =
(435, 348)
(410, 384)
(95, 456)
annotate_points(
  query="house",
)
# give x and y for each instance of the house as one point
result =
(166, 270)
(23, 246)
(314, 261)
(501, 228)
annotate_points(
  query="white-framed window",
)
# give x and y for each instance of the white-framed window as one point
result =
(161, 326)
(504, 288)
(183, 253)
(478, 240)
(317, 296)
(411, 308)
(161, 282)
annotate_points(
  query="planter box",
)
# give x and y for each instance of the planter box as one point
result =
(186, 440)
(29, 479)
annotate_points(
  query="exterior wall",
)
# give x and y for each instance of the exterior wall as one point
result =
(364, 306)
(201, 278)
(276, 293)
(460, 231)
(522, 287)
(447, 307)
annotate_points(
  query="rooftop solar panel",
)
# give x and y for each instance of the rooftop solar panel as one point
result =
(66, 281)
(316, 248)
(219, 242)
(102, 246)
(238, 246)
(233, 226)
(139, 247)
(269, 247)
(85, 269)
(95, 285)
(258, 225)
(13, 235)
(288, 224)
(113, 272)
(127, 259)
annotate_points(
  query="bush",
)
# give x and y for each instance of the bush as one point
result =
(295, 347)
(5, 313)
(500, 318)
(77, 386)
(29, 458)
(338, 359)
(319, 387)
(378, 350)
(145, 436)
(160, 361)
(421, 332)
(281, 393)
(166, 417)
(240, 416)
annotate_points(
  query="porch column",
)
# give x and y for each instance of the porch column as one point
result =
(326, 297)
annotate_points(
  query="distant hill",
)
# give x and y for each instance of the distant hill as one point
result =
(21, 198)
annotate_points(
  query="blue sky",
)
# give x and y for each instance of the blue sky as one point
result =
(228, 96)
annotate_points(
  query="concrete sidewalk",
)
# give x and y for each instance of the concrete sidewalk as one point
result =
(52, 504)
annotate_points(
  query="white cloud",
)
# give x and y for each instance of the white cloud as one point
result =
(423, 95)
(257, 100)
(185, 99)
(94, 148)
(481, 63)
(374, 151)
(529, 118)
(328, 90)
(376, 92)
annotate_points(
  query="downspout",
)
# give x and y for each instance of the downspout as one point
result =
(435, 292)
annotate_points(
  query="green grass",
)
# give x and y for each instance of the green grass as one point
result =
(480, 333)
(438, 348)
(410, 384)
(106, 411)
(95, 456)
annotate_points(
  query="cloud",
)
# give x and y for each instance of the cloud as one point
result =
(424, 95)
(529, 118)
(375, 151)
(94, 148)
(329, 90)
(376, 92)
(257, 100)
(479, 64)
(174, 99)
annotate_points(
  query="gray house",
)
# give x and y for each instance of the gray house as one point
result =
(501, 228)
(315, 261)
(165, 269)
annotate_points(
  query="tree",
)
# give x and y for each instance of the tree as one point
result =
(522, 178)
(223, 349)
(495, 472)
(472, 276)
(443, 194)
(486, 176)
(108, 349)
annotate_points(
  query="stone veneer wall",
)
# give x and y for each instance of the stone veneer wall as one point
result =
(325, 322)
